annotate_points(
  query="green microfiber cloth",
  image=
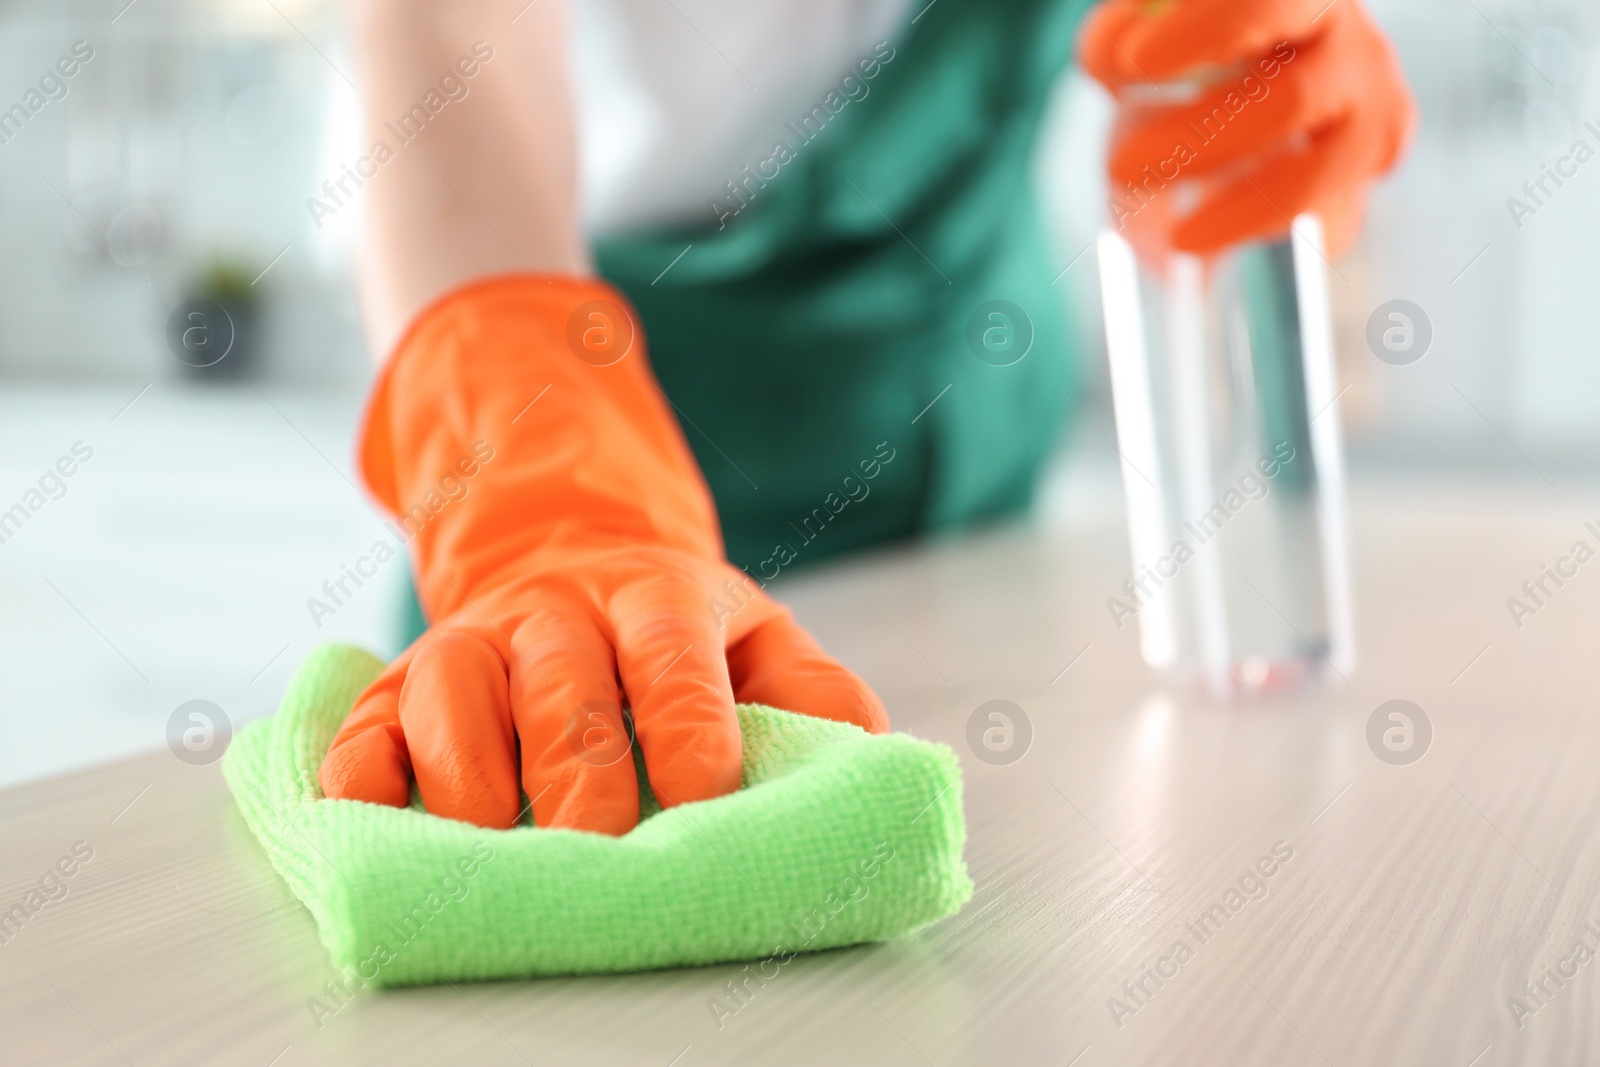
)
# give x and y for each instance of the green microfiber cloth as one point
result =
(836, 837)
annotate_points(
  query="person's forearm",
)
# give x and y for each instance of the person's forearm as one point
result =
(487, 185)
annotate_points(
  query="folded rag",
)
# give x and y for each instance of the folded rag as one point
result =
(835, 837)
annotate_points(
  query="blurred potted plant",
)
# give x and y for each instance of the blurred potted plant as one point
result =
(226, 284)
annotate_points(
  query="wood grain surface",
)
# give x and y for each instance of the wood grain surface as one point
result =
(1406, 908)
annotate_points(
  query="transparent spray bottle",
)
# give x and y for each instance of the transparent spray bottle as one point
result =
(1228, 427)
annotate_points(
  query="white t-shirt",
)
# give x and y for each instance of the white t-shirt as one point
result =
(675, 96)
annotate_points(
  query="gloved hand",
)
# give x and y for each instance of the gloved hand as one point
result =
(1301, 105)
(563, 538)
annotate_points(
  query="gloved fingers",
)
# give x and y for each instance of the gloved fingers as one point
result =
(1164, 41)
(673, 662)
(577, 764)
(368, 759)
(1233, 122)
(1098, 49)
(455, 708)
(781, 665)
(1262, 204)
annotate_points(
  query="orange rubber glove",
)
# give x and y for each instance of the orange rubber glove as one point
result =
(1301, 104)
(563, 539)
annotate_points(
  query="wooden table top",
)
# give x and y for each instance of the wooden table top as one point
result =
(1405, 909)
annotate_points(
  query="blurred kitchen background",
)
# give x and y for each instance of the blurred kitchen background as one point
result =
(178, 562)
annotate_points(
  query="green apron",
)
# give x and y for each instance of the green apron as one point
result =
(895, 260)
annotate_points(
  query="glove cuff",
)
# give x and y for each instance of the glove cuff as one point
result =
(518, 413)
